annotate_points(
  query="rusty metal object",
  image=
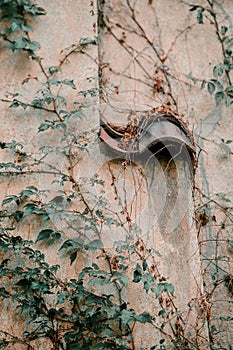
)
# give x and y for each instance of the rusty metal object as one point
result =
(163, 131)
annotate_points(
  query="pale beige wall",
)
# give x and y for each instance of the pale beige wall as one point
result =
(174, 31)
(184, 47)
(65, 24)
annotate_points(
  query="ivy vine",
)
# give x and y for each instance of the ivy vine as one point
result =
(92, 310)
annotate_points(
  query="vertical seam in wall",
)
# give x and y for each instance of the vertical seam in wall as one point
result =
(99, 8)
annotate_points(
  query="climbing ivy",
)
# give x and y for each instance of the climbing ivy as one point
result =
(221, 83)
(15, 28)
(91, 309)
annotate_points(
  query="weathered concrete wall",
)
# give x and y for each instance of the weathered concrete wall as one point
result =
(140, 63)
(65, 24)
(150, 38)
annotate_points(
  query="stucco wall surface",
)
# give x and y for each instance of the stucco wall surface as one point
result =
(150, 54)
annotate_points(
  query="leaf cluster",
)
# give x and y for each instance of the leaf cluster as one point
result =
(15, 15)
(221, 84)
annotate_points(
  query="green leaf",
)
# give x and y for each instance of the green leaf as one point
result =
(29, 209)
(61, 126)
(190, 76)
(211, 87)
(73, 256)
(60, 99)
(162, 312)
(148, 282)
(144, 265)
(219, 96)
(73, 346)
(18, 43)
(34, 10)
(137, 275)
(69, 83)
(145, 317)
(38, 102)
(200, 15)
(169, 288)
(4, 293)
(224, 29)
(54, 81)
(33, 45)
(14, 27)
(164, 287)
(26, 28)
(36, 285)
(203, 84)
(33, 188)
(229, 91)
(218, 71)
(15, 104)
(26, 193)
(111, 221)
(127, 316)
(53, 69)
(8, 199)
(61, 297)
(229, 42)
(121, 277)
(213, 14)
(228, 100)
(56, 236)
(230, 245)
(103, 345)
(228, 318)
(25, 283)
(44, 234)
(94, 245)
(228, 53)
(95, 266)
(44, 127)
(75, 243)
(217, 84)
(194, 8)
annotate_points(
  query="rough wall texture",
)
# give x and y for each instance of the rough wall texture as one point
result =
(151, 38)
(149, 54)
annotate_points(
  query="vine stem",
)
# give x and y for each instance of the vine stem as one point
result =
(161, 59)
(216, 24)
(29, 105)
